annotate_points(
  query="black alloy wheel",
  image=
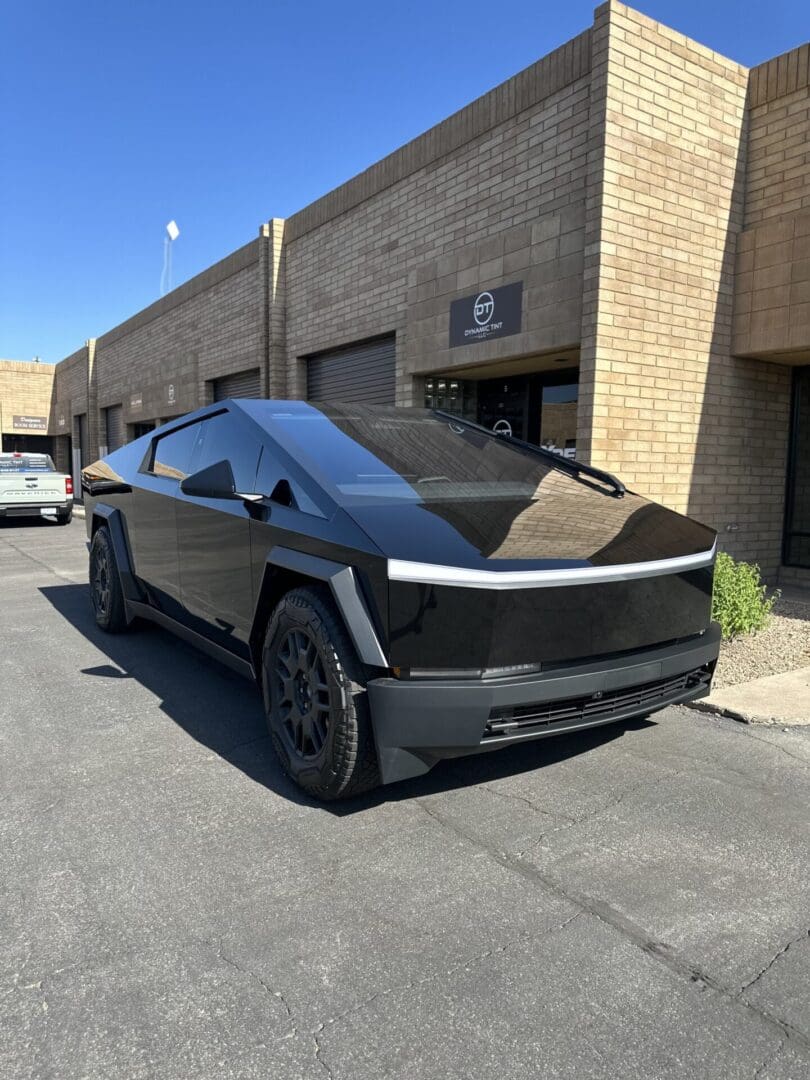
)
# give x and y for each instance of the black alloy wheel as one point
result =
(315, 697)
(105, 584)
(303, 693)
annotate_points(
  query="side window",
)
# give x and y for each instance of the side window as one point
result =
(222, 438)
(173, 453)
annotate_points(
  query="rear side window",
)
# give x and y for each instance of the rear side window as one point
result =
(174, 452)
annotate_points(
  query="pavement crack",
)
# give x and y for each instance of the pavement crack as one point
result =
(775, 746)
(769, 1060)
(510, 795)
(610, 916)
(324, 1064)
(444, 973)
(275, 994)
(803, 936)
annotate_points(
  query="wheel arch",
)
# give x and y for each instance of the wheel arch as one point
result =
(113, 519)
(286, 569)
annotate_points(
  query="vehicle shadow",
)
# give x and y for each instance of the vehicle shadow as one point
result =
(40, 522)
(224, 712)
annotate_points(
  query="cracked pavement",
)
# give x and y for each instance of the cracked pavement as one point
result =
(629, 902)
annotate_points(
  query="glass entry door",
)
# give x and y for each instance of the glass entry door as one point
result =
(558, 417)
(503, 405)
(797, 513)
(540, 407)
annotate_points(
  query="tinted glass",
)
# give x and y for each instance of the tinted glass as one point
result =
(271, 472)
(173, 453)
(224, 438)
(797, 531)
(26, 463)
(362, 453)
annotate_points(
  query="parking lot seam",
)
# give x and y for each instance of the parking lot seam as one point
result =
(636, 935)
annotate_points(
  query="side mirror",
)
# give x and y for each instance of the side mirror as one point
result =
(213, 482)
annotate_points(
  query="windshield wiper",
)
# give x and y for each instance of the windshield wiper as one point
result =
(569, 465)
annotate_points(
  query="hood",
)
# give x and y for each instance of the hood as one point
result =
(568, 523)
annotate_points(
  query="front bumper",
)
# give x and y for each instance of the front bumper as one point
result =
(10, 510)
(418, 722)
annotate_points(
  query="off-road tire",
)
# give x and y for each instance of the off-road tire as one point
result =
(105, 584)
(345, 765)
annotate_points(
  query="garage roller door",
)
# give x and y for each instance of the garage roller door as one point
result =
(114, 418)
(358, 373)
(243, 384)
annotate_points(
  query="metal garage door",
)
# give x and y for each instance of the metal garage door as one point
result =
(114, 423)
(358, 373)
(243, 384)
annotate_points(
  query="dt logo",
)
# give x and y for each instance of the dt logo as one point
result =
(483, 308)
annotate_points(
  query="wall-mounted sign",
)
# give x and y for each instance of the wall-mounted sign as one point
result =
(488, 314)
(61, 420)
(171, 396)
(30, 423)
(135, 402)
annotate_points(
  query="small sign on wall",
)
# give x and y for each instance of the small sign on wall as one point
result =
(30, 423)
(491, 313)
(135, 402)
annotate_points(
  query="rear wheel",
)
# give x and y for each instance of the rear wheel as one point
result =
(315, 698)
(105, 584)
(64, 517)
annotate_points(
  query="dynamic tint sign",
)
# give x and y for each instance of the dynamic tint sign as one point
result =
(30, 423)
(488, 314)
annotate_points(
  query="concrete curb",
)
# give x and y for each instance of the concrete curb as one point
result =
(714, 710)
(740, 717)
(78, 510)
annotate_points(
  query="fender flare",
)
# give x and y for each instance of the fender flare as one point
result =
(114, 520)
(348, 597)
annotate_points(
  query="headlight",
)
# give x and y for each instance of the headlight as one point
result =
(473, 673)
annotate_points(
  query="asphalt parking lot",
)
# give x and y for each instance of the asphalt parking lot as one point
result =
(632, 902)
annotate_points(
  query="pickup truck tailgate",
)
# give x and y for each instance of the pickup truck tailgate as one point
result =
(28, 482)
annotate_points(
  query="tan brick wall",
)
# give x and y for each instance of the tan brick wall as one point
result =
(772, 290)
(70, 390)
(668, 407)
(479, 200)
(778, 172)
(26, 389)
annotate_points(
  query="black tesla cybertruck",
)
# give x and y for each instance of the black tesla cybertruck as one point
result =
(403, 585)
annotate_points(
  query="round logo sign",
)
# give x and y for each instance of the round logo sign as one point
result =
(502, 427)
(483, 308)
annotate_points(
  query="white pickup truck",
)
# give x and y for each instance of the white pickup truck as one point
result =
(30, 486)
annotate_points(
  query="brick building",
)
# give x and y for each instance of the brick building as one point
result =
(609, 253)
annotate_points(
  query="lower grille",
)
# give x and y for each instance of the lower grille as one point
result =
(629, 700)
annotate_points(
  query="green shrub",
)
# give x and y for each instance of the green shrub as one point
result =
(739, 602)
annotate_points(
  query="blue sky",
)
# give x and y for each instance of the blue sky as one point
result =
(116, 117)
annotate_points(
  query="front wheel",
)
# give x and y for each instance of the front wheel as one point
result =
(315, 698)
(105, 584)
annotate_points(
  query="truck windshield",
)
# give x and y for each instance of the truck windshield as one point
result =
(12, 463)
(370, 453)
